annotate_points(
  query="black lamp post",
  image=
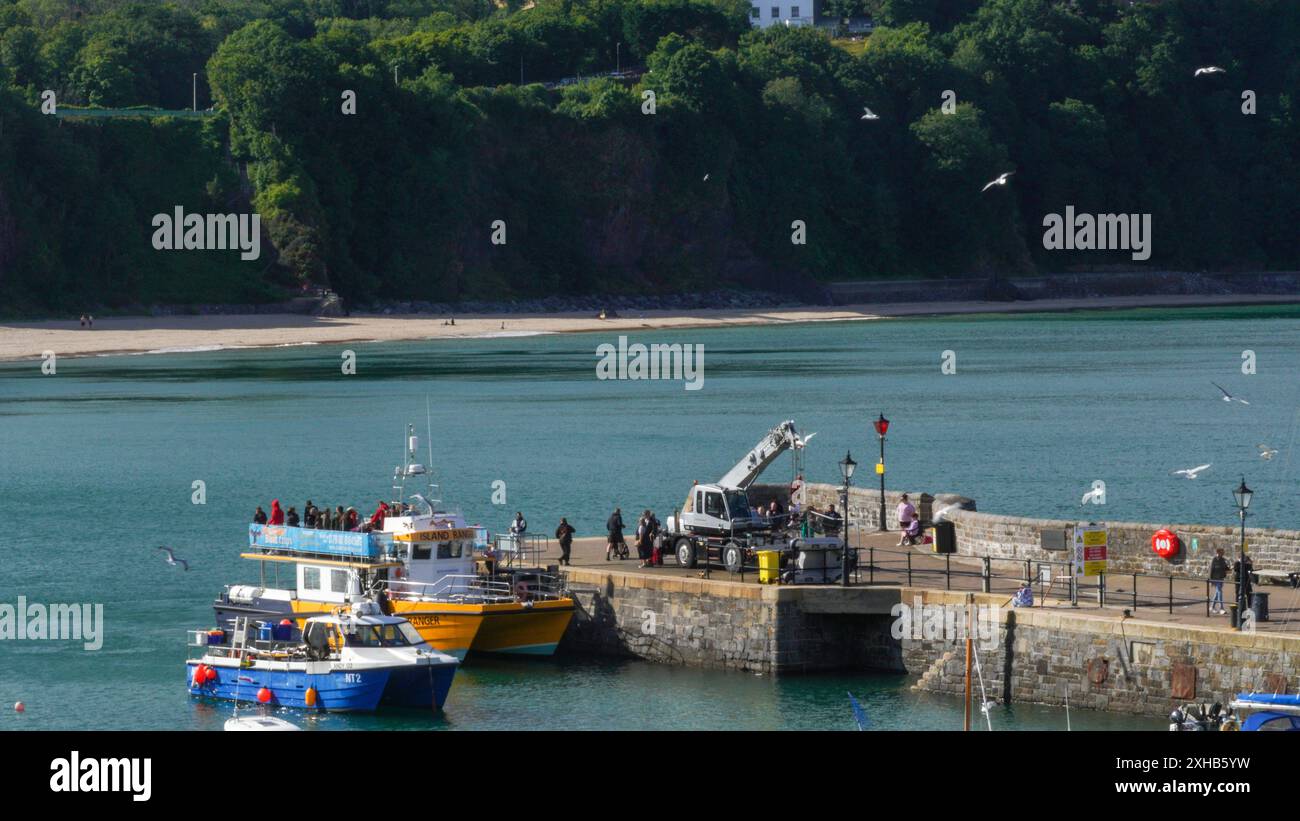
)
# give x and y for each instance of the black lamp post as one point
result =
(882, 427)
(1242, 496)
(847, 466)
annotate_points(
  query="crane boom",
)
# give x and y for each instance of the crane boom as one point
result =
(778, 440)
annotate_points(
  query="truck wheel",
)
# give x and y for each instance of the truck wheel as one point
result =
(733, 557)
(685, 550)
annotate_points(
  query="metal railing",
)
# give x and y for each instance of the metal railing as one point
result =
(456, 588)
(1056, 580)
(527, 550)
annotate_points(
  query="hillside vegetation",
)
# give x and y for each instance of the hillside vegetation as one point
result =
(1093, 103)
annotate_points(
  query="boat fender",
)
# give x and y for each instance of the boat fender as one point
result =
(209, 674)
(310, 697)
(200, 676)
(264, 696)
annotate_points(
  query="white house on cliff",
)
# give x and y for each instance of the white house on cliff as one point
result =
(764, 13)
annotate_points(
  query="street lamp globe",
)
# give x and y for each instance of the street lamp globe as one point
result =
(847, 466)
(1243, 494)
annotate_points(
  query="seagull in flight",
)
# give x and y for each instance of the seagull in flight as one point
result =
(1190, 473)
(1227, 397)
(1265, 452)
(173, 561)
(1001, 180)
(1209, 70)
(706, 177)
(868, 114)
(1095, 493)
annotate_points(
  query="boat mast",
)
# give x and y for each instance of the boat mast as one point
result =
(970, 610)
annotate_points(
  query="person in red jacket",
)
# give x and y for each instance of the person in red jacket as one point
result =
(377, 520)
(277, 514)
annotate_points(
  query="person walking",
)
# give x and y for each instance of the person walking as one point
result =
(1218, 572)
(614, 527)
(565, 534)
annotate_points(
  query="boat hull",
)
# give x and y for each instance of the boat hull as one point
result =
(353, 690)
(518, 629)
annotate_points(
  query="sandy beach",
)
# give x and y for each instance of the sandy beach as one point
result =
(133, 335)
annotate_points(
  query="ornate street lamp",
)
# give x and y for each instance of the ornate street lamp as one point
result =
(882, 427)
(1242, 496)
(847, 466)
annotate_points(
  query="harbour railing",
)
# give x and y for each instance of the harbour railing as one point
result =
(455, 588)
(1055, 580)
(526, 550)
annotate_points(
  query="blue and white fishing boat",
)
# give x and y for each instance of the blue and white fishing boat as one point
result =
(354, 660)
(1268, 711)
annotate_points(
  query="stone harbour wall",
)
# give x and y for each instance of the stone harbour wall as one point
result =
(1099, 663)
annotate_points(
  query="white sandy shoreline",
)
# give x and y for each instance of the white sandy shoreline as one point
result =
(180, 334)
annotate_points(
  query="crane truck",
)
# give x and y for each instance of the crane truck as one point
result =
(719, 515)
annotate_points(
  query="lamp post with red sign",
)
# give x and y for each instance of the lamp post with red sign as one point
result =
(882, 427)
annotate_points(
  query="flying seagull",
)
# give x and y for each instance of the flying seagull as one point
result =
(1209, 70)
(1227, 397)
(1190, 473)
(1001, 180)
(173, 561)
(1265, 452)
(1095, 493)
(706, 177)
(868, 114)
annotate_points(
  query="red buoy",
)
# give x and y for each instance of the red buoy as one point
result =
(264, 696)
(1165, 543)
(200, 675)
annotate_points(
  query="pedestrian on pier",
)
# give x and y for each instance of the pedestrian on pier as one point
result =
(565, 534)
(517, 528)
(614, 526)
(1218, 572)
(645, 537)
(259, 517)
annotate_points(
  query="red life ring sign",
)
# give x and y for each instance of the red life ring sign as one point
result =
(1165, 543)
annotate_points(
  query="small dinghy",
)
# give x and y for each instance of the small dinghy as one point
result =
(260, 723)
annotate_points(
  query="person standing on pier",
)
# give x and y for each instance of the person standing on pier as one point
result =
(309, 515)
(291, 517)
(614, 526)
(565, 534)
(1218, 572)
(277, 514)
(259, 516)
(907, 522)
(517, 528)
(645, 537)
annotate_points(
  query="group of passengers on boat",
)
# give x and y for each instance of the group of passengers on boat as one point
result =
(322, 518)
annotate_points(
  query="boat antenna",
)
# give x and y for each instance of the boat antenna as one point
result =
(428, 432)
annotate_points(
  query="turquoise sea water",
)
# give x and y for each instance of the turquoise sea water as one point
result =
(98, 464)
